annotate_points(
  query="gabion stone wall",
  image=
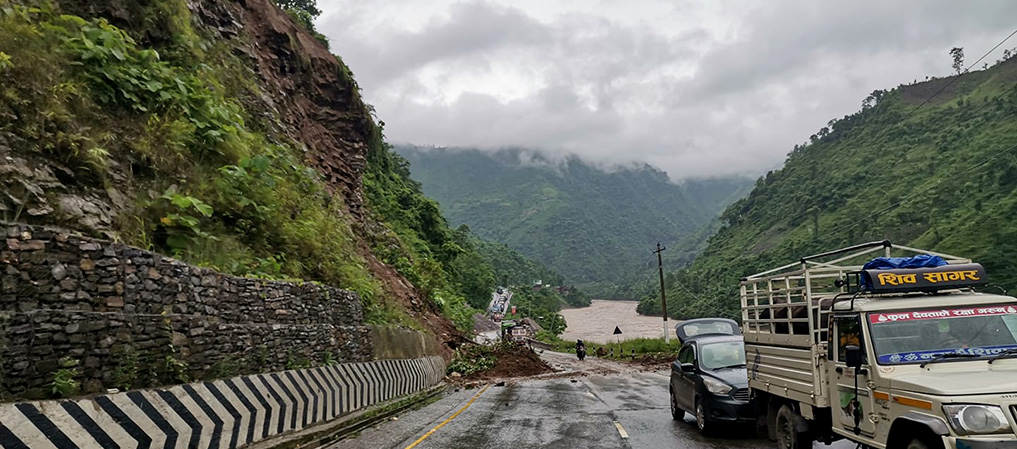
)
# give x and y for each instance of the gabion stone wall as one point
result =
(108, 315)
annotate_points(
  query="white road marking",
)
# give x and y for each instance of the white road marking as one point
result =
(621, 430)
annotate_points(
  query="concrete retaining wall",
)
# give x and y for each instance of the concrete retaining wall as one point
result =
(227, 413)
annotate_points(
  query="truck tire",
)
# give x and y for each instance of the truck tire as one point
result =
(924, 442)
(788, 434)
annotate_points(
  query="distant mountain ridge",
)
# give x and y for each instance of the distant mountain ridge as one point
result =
(594, 227)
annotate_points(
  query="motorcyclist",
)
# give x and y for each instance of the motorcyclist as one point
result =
(580, 349)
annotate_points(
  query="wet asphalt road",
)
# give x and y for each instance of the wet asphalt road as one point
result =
(578, 412)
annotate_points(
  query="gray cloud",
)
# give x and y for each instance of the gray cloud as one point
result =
(696, 88)
(471, 28)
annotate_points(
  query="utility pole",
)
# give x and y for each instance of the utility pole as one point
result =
(663, 297)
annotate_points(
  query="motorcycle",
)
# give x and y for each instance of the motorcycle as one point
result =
(581, 352)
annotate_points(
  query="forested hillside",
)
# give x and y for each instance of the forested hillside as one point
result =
(225, 134)
(596, 228)
(940, 175)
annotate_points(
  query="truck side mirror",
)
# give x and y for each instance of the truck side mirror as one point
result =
(855, 357)
(688, 367)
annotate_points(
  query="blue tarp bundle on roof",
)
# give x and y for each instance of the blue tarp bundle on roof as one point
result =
(890, 263)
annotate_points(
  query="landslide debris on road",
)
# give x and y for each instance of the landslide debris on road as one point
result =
(502, 361)
(476, 364)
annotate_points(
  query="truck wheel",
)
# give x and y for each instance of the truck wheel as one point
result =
(788, 435)
(924, 442)
(706, 427)
(677, 413)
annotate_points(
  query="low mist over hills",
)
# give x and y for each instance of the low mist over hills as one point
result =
(596, 228)
(931, 165)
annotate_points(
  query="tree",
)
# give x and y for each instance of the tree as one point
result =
(873, 99)
(303, 12)
(308, 6)
(958, 58)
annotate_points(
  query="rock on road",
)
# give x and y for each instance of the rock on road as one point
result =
(589, 406)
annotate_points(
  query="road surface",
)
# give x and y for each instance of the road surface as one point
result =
(602, 405)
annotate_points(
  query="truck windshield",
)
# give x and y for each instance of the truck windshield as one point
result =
(920, 335)
(722, 355)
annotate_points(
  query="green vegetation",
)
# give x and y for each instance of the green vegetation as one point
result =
(442, 263)
(941, 176)
(125, 375)
(640, 346)
(511, 268)
(303, 13)
(226, 198)
(618, 350)
(595, 228)
(169, 117)
(64, 385)
(474, 358)
(543, 307)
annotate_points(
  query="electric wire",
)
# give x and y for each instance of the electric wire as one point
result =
(955, 78)
(930, 98)
(924, 189)
(936, 183)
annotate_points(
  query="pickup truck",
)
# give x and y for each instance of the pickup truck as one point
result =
(910, 358)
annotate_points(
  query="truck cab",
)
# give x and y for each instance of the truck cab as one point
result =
(937, 367)
(911, 358)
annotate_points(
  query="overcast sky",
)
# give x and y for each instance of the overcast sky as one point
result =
(697, 88)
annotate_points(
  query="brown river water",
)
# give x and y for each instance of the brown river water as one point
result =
(597, 322)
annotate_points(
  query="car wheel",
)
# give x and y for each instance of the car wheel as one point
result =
(705, 425)
(677, 413)
(788, 436)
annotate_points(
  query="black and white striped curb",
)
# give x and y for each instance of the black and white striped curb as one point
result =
(222, 414)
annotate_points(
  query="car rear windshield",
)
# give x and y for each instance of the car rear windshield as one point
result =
(916, 336)
(709, 327)
(722, 355)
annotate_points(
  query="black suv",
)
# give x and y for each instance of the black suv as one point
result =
(709, 379)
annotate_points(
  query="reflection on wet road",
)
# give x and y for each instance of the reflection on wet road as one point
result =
(588, 411)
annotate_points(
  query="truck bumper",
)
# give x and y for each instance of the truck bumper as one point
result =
(981, 443)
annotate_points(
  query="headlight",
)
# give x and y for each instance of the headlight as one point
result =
(716, 386)
(969, 419)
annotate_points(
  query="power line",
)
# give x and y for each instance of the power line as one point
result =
(927, 188)
(717, 308)
(955, 78)
(934, 95)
